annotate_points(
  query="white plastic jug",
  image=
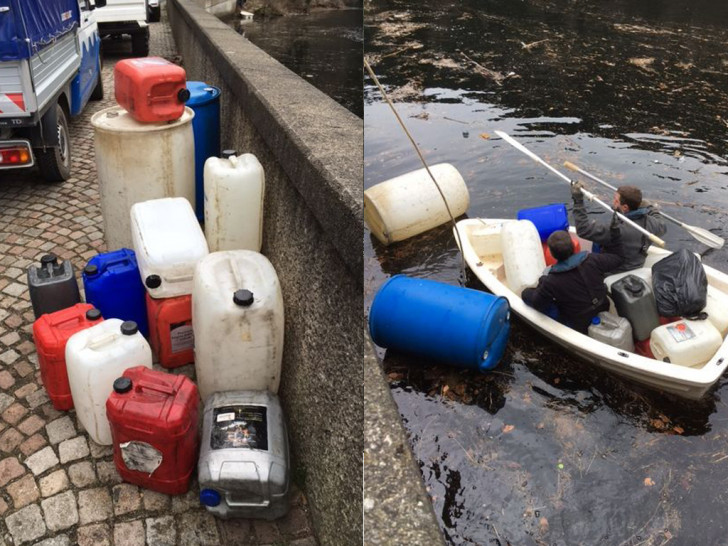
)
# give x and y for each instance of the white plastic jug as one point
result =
(237, 318)
(168, 242)
(612, 330)
(140, 161)
(686, 342)
(410, 204)
(523, 257)
(234, 188)
(717, 308)
(95, 357)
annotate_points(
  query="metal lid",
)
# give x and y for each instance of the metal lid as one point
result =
(201, 93)
(243, 298)
(122, 385)
(93, 314)
(129, 328)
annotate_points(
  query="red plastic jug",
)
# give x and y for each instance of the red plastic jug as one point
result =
(170, 330)
(153, 417)
(550, 260)
(50, 333)
(151, 89)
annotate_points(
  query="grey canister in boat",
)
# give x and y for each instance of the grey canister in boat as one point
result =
(634, 300)
(243, 469)
(52, 285)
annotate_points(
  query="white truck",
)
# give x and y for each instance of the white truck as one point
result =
(49, 69)
(122, 17)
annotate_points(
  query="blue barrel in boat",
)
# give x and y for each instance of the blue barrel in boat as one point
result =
(455, 325)
(205, 101)
(113, 285)
(547, 219)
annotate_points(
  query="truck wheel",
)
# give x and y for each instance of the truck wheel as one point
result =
(55, 163)
(140, 43)
(98, 92)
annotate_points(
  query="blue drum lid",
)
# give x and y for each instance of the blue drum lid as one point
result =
(201, 93)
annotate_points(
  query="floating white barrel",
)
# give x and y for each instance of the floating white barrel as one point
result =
(410, 204)
(140, 161)
(237, 317)
(234, 187)
(95, 357)
(523, 257)
(686, 342)
(168, 242)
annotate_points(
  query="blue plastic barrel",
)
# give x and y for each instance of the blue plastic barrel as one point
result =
(113, 285)
(205, 101)
(547, 219)
(458, 326)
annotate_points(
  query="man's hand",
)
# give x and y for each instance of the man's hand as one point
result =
(576, 187)
(616, 222)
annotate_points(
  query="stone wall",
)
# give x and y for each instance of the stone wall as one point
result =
(311, 149)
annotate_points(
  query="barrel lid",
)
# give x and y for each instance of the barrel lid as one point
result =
(122, 385)
(117, 120)
(129, 328)
(93, 314)
(153, 281)
(49, 259)
(201, 93)
(91, 269)
(243, 298)
(228, 153)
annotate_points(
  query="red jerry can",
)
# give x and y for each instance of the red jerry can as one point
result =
(51, 332)
(151, 89)
(550, 260)
(153, 417)
(170, 330)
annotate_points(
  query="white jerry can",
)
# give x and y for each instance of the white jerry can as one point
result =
(234, 191)
(685, 342)
(168, 242)
(237, 319)
(523, 257)
(95, 357)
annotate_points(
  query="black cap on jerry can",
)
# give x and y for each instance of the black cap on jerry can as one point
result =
(183, 95)
(244, 298)
(93, 314)
(153, 281)
(49, 259)
(129, 328)
(91, 269)
(122, 385)
(228, 153)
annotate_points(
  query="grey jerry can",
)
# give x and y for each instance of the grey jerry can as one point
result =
(52, 285)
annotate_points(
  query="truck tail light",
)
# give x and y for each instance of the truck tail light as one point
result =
(16, 153)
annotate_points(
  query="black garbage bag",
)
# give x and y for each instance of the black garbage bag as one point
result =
(680, 285)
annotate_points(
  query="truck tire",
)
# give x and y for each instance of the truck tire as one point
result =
(55, 163)
(140, 43)
(98, 92)
(155, 14)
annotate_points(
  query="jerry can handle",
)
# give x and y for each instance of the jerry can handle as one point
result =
(263, 504)
(102, 340)
(156, 387)
(181, 278)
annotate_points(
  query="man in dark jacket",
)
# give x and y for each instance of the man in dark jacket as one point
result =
(628, 201)
(575, 284)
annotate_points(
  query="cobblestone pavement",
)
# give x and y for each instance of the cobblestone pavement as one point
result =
(57, 487)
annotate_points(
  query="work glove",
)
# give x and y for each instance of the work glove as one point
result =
(615, 224)
(576, 194)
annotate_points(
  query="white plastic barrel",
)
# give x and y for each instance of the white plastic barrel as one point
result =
(410, 204)
(717, 308)
(137, 162)
(523, 257)
(237, 318)
(95, 357)
(686, 342)
(168, 242)
(234, 188)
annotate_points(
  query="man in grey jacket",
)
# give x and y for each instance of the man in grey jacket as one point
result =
(628, 201)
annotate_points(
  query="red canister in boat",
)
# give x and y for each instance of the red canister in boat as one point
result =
(151, 89)
(153, 418)
(550, 260)
(51, 332)
(170, 330)
(642, 348)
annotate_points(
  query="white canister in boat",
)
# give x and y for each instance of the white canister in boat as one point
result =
(612, 330)
(685, 342)
(410, 204)
(523, 257)
(716, 307)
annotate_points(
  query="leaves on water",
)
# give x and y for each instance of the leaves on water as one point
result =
(484, 136)
(649, 482)
(508, 428)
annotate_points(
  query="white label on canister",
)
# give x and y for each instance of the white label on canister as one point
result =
(182, 337)
(681, 332)
(141, 456)
(225, 417)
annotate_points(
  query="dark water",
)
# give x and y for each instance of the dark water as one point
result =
(324, 47)
(548, 449)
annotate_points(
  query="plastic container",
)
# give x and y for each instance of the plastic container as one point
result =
(52, 285)
(237, 316)
(410, 204)
(716, 307)
(170, 330)
(95, 357)
(644, 273)
(523, 257)
(51, 332)
(634, 301)
(244, 468)
(168, 243)
(550, 260)
(138, 162)
(459, 326)
(205, 102)
(686, 342)
(151, 89)
(547, 219)
(234, 190)
(153, 418)
(112, 284)
(612, 330)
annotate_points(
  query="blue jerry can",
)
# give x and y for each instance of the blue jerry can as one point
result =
(547, 219)
(205, 101)
(454, 325)
(113, 285)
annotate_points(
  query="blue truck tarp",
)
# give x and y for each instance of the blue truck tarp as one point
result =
(27, 26)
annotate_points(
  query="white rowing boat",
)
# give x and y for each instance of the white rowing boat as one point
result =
(481, 247)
